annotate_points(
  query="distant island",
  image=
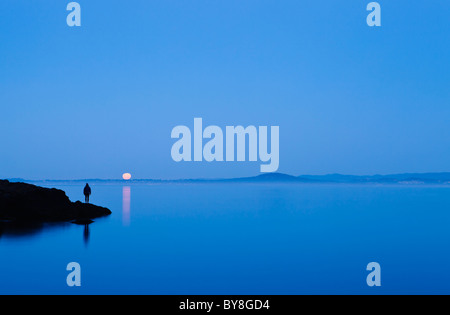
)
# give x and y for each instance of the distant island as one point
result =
(26, 202)
(402, 179)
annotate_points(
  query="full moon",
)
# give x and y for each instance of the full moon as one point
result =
(126, 176)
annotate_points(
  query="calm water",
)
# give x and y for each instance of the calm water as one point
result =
(240, 239)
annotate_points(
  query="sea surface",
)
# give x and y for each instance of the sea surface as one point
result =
(235, 238)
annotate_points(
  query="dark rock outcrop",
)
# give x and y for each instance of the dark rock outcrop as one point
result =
(25, 202)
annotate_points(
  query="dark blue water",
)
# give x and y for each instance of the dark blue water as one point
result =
(240, 239)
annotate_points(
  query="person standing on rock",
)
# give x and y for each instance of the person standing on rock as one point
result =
(87, 193)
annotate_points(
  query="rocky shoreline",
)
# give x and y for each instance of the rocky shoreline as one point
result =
(26, 202)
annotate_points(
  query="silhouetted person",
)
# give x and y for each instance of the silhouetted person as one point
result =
(87, 193)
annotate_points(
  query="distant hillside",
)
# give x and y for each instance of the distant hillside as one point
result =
(269, 177)
(412, 178)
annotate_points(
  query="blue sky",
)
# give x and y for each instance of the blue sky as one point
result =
(102, 99)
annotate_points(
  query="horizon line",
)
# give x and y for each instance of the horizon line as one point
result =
(222, 178)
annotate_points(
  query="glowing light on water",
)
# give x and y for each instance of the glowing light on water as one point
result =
(126, 205)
